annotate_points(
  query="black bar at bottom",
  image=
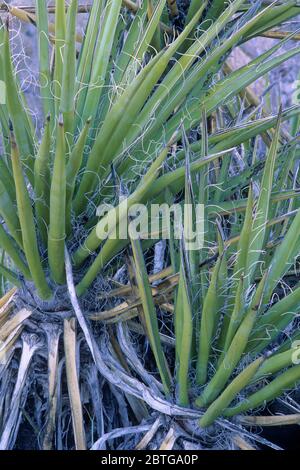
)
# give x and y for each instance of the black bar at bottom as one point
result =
(140, 459)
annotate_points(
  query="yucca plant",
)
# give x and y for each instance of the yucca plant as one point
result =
(143, 342)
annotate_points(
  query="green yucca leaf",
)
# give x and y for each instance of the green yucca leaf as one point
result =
(111, 247)
(7, 179)
(258, 67)
(2, 279)
(116, 215)
(67, 104)
(60, 37)
(229, 207)
(275, 388)
(227, 88)
(236, 135)
(149, 312)
(20, 120)
(101, 59)
(183, 330)
(222, 282)
(240, 266)
(27, 225)
(42, 182)
(180, 68)
(190, 225)
(57, 222)
(89, 177)
(73, 167)
(274, 321)
(235, 317)
(173, 243)
(4, 129)
(194, 7)
(125, 61)
(43, 42)
(289, 343)
(203, 199)
(257, 236)
(148, 33)
(230, 392)
(110, 88)
(234, 352)
(274, 16)
(156, 42)
(10, 276)
(9, 246)
(196, 80)
(86, 58)
(276, 363)
(155, 189)
(117, 124)
(216, 8)
(9, 215)
(284, 256)
(209, 318)
(175, 179)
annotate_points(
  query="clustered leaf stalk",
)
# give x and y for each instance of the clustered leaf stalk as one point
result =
(137, 111)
